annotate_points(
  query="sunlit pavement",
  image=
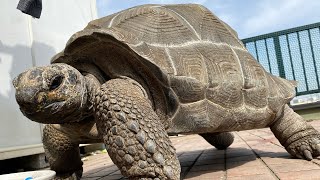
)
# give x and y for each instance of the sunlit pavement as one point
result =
(255, 154)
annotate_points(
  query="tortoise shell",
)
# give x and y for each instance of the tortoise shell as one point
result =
(197, 73)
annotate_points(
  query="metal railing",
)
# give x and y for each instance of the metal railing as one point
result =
(292, 54)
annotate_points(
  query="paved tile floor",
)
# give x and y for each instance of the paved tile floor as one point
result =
(255, 154)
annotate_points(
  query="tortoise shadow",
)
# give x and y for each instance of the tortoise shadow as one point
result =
(199, 162)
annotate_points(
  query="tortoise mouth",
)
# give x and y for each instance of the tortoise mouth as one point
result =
(41, 115)
(55, 107)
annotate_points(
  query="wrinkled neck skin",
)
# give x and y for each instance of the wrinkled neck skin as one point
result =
(92, 85)
(86, 108)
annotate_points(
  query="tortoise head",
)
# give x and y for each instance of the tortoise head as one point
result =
(51, 94)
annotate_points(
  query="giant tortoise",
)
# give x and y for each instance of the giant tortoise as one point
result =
(133, 78)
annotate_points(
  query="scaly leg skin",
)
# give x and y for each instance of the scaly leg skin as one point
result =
(62, 154)
(133, 133)
(219, 140)
(298, 137)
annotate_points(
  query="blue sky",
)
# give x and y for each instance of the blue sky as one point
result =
(248, 17)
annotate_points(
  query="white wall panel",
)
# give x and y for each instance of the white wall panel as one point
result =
(25, 42)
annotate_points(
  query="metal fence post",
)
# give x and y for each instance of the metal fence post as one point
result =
(279, 56)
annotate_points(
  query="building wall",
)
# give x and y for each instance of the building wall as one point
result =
(27, 42)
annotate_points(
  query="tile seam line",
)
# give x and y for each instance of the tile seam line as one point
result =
(266, 139)
(107, 174)
(270, 170)
(190, 167)
(316, 163)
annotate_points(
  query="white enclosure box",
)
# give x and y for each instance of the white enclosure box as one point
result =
(27, 42)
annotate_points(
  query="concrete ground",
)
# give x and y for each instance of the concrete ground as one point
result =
(255, 154)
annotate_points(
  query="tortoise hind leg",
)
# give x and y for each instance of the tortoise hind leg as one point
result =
(298, 137)
(133, 133)
(219, 140)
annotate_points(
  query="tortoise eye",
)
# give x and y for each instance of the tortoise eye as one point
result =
(56, 82)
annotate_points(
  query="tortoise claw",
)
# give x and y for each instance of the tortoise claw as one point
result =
(307, 154)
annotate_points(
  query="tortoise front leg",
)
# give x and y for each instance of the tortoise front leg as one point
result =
(63, 155)
(133, 133)
(61, 144)
(298, 137)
